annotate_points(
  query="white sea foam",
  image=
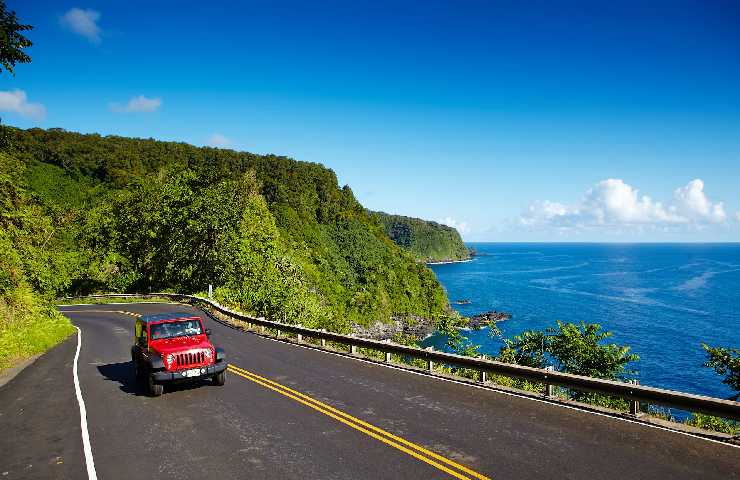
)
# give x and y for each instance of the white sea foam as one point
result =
(700, 281)
(550, 269)
(635, 299)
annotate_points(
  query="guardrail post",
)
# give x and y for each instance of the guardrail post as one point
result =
(634, 404)
(483, 373)
(387, 354)
(353, 349)
(210, 291)
(278, 333)
(430, 364)
(323, 340)
(549, 388)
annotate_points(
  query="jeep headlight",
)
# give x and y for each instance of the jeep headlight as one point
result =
(170, 360)
(208, 353)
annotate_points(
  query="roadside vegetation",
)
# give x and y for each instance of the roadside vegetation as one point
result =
(31, 270)
(109, 300)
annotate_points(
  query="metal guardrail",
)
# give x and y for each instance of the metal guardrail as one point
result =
(629, 391)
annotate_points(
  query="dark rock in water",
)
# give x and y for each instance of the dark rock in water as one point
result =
(464, 301)
(483, 319)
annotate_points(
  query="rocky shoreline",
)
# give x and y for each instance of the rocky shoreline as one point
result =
(419, 327)
(445, 262)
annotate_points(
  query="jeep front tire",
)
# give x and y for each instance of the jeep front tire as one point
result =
(155, 389)
(138, 372)
(220, 378)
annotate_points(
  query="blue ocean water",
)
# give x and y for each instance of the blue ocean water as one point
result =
(663, 300)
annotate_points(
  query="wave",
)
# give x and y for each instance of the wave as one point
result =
(631, 298)
(502, 254)
(550, 269)
(700, 281)
(695, 283)
(626, 272)
(553, 280)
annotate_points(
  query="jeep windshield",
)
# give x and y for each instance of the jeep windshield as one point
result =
(177, 328)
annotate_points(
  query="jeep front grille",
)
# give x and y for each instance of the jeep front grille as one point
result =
(189, 359)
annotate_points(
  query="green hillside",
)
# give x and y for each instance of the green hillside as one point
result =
(276, 236)
(427, 241)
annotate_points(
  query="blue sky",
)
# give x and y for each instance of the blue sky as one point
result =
(526, 121)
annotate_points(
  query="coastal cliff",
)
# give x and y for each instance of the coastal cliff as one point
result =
(429, 242)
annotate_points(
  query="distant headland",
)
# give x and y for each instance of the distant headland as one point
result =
(429, 242)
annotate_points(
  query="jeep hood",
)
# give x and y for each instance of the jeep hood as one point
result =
(179, 344)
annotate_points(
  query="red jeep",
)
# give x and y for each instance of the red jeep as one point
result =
(174, 347)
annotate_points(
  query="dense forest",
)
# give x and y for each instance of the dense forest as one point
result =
(277, 237)
(427, 241)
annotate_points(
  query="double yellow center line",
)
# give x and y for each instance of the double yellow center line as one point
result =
(438, 461)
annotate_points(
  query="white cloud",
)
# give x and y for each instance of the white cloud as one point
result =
(139, 103)
(17, 101)
(612, 203)
(83, 22)
(461, 227)
(220, 141)
(692, 203)
(737, 216)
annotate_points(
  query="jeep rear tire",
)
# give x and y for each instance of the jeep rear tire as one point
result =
(155, 389)
(220, 378)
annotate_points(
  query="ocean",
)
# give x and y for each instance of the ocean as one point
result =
(662, 300)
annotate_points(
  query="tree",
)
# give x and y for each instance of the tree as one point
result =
(12, 42)
(577, 350)
(527, 349)
(726, 362)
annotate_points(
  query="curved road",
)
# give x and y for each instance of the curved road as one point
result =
(292, 412)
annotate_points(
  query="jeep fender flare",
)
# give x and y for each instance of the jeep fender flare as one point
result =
(155, 361)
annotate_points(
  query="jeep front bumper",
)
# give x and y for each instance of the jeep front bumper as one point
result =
(167, 376)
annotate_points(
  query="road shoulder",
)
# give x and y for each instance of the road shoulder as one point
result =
(39, 412)
(10, 373)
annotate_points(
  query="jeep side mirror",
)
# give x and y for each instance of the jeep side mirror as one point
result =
(208, 332)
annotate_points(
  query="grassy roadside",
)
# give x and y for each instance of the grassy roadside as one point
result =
(104, 301)
(28, 326)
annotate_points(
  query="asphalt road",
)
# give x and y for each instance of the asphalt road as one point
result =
(310, 415)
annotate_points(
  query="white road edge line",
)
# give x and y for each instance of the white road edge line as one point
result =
(91, 474)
